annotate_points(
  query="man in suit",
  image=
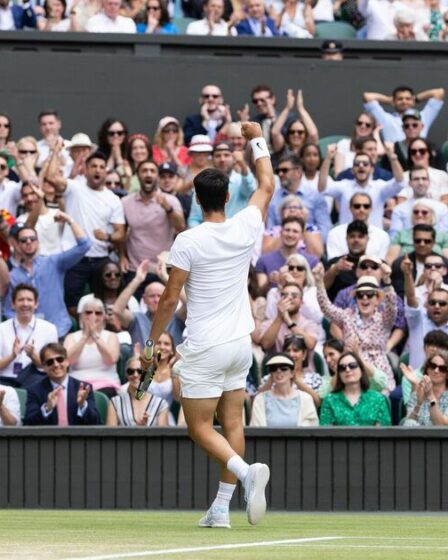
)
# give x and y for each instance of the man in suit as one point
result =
(59, 400)
(257, 24)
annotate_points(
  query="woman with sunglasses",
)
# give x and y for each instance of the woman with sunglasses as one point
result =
(169, 143)
(364, 127)
(428, 403)
(93, 351)
(283, 406)
(402, 242)
(5, 131)
(26, 155)
(366, 325)
(113, 142)
(157, 20)
(298, 132)
(352, 403)
(139, 150)
(125, 410)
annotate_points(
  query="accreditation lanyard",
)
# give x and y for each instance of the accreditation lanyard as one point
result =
(29, 336)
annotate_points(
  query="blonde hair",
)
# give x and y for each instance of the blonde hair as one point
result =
(158, 136)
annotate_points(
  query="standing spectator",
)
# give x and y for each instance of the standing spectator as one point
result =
(405, 28)
(257, 23)
(264, 100)
(241, 181)
(14, 17)
(212, 22)
(80, 147)
(402, 99)
(170, 183)
(199, 150)
(81, 11)
(372, 147)
(169, 143)
(9, 407)
(59, 399)
(50, 126)
(110, 21)
(212, 117)
(360, 208)
(139, 150)
(352, 403)
(46, 273)
(113, 142)
(9, 190)
(158, 21)
(152, 217)
(22, 337)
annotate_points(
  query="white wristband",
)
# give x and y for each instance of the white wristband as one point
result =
(259, 148)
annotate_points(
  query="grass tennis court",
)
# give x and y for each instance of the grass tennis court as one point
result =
(39, 534)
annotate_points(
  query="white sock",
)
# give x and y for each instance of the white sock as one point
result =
(224, 495)
(238, 467)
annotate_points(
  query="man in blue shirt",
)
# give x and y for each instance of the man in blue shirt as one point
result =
(46, 273)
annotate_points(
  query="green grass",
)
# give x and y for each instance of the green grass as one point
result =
(40, 534)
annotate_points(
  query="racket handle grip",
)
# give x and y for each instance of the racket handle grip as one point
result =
(149, 349)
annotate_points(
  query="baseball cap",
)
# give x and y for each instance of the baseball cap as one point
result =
(330, 46)
(280, 359)
(168, 167)
(79, 140)
(200, 143)
(411, 113)
(166, 121)
(223, 147)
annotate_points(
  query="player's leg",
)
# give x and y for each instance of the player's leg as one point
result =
(230, 416)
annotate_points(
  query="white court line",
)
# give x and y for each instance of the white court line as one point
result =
(202, 548)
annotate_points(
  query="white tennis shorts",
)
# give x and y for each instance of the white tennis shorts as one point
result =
(211, 372)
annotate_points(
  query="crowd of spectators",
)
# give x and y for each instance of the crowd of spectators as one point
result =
(403, 20)
(348, 284)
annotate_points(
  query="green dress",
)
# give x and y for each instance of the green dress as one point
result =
(372, 408)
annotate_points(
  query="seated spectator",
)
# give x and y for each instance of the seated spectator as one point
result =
(283, 406)
(433, 342)
(288, 321)
(47, 273)
(241, 182)
(110, 21)
(9, 190)
(256, 22)
(212, 22)
(125, 410)
(93, 351)
(113, 142)
(304, 376)
(406, 28)
(59, 399)
(290, 172)
(291, 238)
(402, 99)
(360, 208)
(298, 132)
(311, 162)
(297, 19)
(352, 403)
(5, 132)
(212, 117)
(13, 17)
(428, 403)
(423, 212)
(169, 143)
(379, 190)
(9, 407)
(139, 149)
(368, 324)
(139, 324)
(157, 20)
(22, 338)
(421, 317)
(55, 18)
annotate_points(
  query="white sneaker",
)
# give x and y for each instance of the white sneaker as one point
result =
(254, 486)
(216, 517)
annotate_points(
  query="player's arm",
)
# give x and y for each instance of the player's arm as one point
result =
(168, 302)
(263, 167)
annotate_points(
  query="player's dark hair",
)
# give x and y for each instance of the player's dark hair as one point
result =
(211, 186)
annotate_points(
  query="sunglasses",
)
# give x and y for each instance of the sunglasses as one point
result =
(3, 167)
(411, 125)
(116, 133)
(349, 365)
(273, 369)
(257, 100)
(211, 95)
(419, 241)
(281, 170)
(429, 266)
(296, 267)
(435, 367)
(420, 151)
(359, 205)
(366, 294)
(5, 125)
(298, 132)
(24, 152)
(91, 312)
(112, 275)
(437, 302)
(131, 371)
(420, 212)
(30, 238)
(153, 8)
(361, 164)
(112, 183)
(369, 265)
(51, 361)
(170, 129)
(364, 123)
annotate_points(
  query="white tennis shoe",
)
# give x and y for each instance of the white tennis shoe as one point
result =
(254, 486)
(216, 517)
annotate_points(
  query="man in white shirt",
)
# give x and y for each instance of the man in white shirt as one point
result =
(379, 190)
(110, 21)
(212, 23)
(379, 15)
(9, 190)
(360, 208)
(50, 127)
(9, 407)
(212, 260)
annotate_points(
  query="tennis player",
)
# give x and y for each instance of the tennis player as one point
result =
(212, 261)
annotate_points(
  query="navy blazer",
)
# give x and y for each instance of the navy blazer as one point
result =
(244, 28)
(38, 395)
(23, 17)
